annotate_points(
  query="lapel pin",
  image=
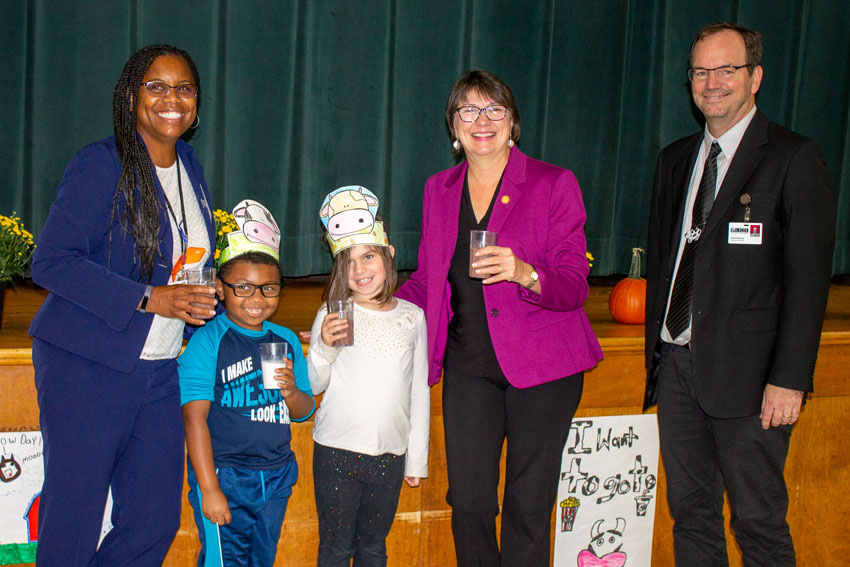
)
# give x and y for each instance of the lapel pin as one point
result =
(505, 199)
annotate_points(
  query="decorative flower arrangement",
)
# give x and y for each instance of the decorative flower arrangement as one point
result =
(224, 225)
(16, 248)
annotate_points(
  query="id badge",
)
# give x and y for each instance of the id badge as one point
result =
(745, 232)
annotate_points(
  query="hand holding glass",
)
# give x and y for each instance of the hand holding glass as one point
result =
(480, 239)
(345, 308)
(272, 357)
(202, 276)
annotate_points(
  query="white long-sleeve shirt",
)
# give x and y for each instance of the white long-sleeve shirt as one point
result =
(376, 397)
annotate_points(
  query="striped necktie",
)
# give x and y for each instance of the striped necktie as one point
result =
(679, 312)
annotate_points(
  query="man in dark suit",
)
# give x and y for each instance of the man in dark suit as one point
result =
(741, 235)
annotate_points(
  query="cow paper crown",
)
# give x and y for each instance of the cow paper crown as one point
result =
(258, 232)
(348, 214)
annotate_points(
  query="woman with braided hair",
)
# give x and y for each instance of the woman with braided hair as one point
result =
(132, 212)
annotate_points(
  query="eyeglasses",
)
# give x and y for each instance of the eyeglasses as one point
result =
(698, 74)
(470, 113)
(248, 289)
(160, 89)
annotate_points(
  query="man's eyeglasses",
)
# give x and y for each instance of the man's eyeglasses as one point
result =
(470, 113)
(697, 74)
(160, 89)
(248, 289)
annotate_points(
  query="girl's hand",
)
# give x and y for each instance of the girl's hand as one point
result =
(412, 481)
(500, 264)
(215, 508)
(173, 301)
(333, 328)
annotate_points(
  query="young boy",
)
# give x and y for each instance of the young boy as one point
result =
(241, 468)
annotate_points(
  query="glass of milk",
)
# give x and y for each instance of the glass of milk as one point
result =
(272, 357)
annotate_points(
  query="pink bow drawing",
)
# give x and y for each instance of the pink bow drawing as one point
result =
(587, 559)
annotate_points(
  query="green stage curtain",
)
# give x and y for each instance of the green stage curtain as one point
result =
(302, 96)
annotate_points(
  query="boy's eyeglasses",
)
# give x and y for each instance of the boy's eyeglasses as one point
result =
(248, 289)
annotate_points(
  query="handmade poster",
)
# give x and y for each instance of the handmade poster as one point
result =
(606, 494)
(21, 477)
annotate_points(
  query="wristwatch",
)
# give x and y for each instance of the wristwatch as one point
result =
(145, 298)
(534, 278)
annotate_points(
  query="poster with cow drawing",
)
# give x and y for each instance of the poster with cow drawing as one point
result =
(21, 477)
(606, 492)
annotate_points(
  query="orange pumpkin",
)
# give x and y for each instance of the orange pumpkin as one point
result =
(628, 298)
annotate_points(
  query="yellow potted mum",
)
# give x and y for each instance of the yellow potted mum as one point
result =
(224, 225)
(16, 248)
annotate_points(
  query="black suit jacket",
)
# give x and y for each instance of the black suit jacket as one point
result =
(757, 309)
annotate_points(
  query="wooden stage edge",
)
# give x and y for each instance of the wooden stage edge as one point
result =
(817, 470)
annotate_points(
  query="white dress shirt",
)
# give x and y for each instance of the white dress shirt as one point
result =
(728, 142)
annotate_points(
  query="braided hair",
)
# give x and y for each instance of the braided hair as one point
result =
(140, 213)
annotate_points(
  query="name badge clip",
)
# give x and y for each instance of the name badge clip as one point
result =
(745, 200)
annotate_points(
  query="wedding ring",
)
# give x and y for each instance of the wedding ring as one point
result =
(500, 269)
(784, 415)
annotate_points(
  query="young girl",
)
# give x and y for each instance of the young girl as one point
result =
(371, 430)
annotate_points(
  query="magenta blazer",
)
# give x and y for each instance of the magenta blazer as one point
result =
(539, 214)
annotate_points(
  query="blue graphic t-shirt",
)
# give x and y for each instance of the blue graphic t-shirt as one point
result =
(249, 425)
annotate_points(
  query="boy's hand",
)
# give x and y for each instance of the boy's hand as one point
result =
(333, 328)
(215, 508)
(286, 379)
(412, 481)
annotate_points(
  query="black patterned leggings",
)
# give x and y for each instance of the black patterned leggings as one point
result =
(356, 499)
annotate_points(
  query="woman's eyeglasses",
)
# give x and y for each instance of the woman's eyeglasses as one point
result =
(471, 113)
(160, 89)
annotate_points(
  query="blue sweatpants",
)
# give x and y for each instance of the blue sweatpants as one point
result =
(257, 501)
(105, 429)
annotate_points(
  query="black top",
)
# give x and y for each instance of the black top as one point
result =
(469, 349)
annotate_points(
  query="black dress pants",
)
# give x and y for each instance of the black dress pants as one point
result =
(104, 429)
(479, 415)
(703, 456)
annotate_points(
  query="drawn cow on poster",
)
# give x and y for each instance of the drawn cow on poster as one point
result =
(604, 549)
(349, 211)
(10, 468)
(257, 224)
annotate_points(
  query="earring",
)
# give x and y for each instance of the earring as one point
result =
(456, 145)
(510, 143)
(197, 122)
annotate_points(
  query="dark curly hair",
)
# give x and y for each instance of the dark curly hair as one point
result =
(250, 258)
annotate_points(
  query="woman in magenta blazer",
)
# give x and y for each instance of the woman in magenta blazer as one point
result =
(515, 344)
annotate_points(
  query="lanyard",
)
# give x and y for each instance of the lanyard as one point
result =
(183, 230)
